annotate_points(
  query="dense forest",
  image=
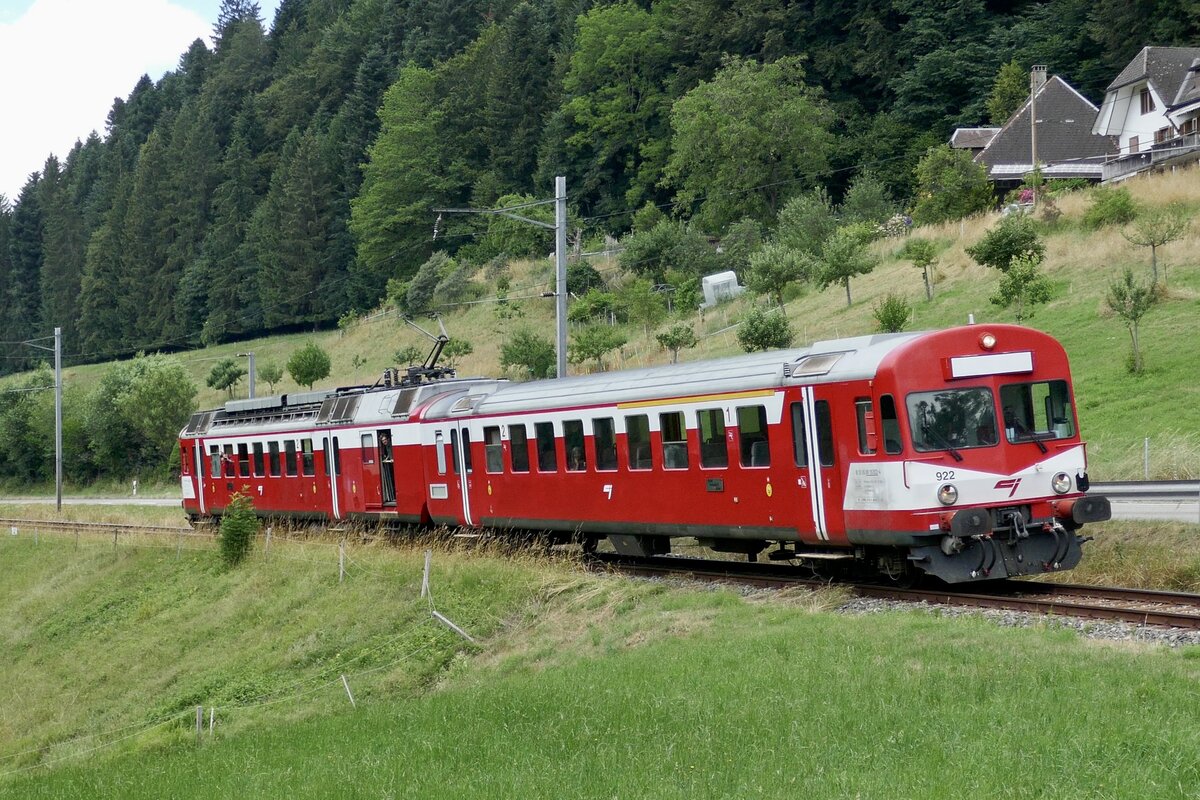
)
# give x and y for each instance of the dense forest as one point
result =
(281, 177)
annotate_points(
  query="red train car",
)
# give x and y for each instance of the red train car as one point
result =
(953, 452)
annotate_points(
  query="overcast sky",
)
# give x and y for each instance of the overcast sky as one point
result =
(64, 61)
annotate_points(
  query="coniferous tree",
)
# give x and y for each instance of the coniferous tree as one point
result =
(23, 318)
(64, 246)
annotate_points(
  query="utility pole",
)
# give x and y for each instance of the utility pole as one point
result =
(58, 386)
(58, 465)
(560, 256)
(560, 272)
(1037, 78)
(250, 355)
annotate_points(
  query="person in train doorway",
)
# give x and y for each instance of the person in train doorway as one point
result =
(387, 475)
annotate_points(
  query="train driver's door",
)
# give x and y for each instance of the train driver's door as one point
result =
(387, 469)
(812, 445)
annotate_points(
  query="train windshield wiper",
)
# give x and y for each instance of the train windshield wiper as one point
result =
(940, 441)
(1023, 434)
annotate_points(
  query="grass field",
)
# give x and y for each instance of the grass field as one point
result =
(581, 686)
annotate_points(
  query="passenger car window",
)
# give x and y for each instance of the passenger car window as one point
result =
(637, 438)
(604, 436)
(674, 440)
(710, 423)
(753, 447)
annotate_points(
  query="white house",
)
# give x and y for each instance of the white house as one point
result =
(1147, 105)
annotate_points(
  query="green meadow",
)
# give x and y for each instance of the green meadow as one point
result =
(579, 685)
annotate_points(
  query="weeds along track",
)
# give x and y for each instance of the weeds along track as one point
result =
(1114, 604)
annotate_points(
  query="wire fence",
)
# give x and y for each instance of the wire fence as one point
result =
(336, 678)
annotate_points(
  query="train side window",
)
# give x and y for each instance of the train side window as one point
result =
(637, 438)
(573, 443)
(368, 449)
(547, 458)
(273, 459)
(604, 435)
(799, 435)
(454, 451)
(892, 443)
(824, 434)
(227, 461)
(214, 456)
(439, 445)
(493, 449)
(518, 448)
(713, 450)
(184, 466)
(466, 437)
(260, 466)
(674, 440)
(289, 458)
(865, 417)
(306, 449)
(244, 460)
(753, 447)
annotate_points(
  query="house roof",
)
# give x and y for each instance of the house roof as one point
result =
(1064, 132)
(972, 138)
(1163, 67)
(1189, 87)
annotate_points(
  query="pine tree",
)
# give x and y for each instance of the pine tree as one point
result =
(23, 318)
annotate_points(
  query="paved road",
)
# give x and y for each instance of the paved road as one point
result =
(1157, 510)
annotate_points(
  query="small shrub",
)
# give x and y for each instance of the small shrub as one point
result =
(891, 313)
(239, 525)
(1110, 206)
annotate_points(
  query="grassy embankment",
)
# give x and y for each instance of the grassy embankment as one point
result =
(1117, 410)
(582, 686)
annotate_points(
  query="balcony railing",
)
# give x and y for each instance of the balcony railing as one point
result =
(1122, 166)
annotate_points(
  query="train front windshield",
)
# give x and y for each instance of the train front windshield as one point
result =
(1040, 410)
(952, 419)
(959, 419)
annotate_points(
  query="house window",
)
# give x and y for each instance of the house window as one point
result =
(1147, 101)
(1189, 126)
(1133, 144)
(1161, 135)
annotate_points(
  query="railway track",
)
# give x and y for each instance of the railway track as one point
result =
(1137, 606)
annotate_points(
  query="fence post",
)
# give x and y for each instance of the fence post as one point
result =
(114, 538)
(267, 544)
(178, 544)
(1146, 458)
(212, 713)
(348, 694)
(425, 575)
(341, 561)
(199, 722)
(77, 538)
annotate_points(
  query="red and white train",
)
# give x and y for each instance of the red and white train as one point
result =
(954, 452)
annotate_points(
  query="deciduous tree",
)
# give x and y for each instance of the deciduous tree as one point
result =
(308, 365)
(1131, 300)
(742, 141)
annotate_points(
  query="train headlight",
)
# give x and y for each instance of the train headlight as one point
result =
(987, 341)
(1061, 483)
(947, 494)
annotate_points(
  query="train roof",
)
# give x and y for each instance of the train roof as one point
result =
(822, 362)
